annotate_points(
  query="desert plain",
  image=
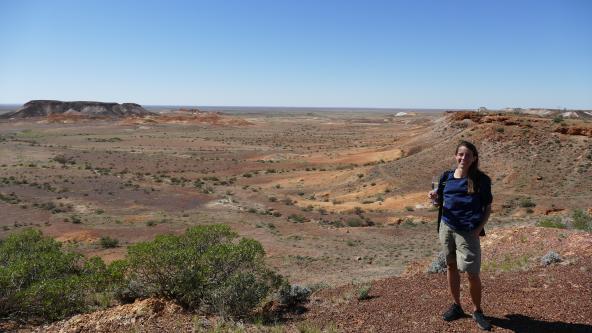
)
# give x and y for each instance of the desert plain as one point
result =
(334, 197)
(337, 198)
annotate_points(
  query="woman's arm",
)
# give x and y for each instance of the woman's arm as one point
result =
(486, 214)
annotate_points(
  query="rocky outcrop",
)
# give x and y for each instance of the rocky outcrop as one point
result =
(575, 130)
(44, 108)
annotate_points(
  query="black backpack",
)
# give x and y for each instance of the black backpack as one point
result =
(440, 192)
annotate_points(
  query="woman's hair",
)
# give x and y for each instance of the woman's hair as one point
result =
(474, 172)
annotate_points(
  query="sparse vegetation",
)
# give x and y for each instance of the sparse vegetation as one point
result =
(364, 292)
(508, 263)
(354, 222)
(108, 242)
(297, 218)
(113, 139)
(581, 220)
(526, 202)
(551, 222)
(159, 178)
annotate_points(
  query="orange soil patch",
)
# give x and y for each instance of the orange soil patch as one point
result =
(276, 157)
(336, 157)
(85, 236)
(392, 203)
(360, 157)
(316, 179)
(109, 255)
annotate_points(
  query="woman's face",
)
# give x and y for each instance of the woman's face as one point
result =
(464, 157)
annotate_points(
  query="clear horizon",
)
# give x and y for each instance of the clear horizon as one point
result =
(330, 54)
(303, 107)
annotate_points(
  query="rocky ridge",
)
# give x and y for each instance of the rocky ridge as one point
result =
(47, 108)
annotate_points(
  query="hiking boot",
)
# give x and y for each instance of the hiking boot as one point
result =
(454, 312)
(481, 321)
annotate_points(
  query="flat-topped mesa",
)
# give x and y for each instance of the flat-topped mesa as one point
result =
(44, 108)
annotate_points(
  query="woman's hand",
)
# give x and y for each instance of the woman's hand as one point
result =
(477, 231)
(433, 194)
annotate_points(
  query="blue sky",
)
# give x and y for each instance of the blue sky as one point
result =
(422, 54)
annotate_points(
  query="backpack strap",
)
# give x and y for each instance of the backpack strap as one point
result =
(440, 191)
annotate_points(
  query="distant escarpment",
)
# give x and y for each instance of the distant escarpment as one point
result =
(49, 108)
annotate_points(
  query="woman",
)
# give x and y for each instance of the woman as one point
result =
(466, 207)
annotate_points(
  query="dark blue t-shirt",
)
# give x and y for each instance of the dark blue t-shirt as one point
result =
(464, 211)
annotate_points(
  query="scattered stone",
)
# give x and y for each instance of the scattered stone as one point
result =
(550, 258)
(438, 265)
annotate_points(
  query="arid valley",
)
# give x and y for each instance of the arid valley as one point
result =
(336, 198)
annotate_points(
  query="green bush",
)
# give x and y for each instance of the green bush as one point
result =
(297, 218)
(551, 222)
(108, 242)
(205, 269)
(526, 203)
(292, 296)
(52, 299)
(364, 292)
(40, 281)
(581, 220)
(354, 222)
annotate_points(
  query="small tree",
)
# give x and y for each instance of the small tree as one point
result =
(202, 269)
(40, 281)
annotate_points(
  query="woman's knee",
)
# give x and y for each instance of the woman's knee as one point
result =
(473, 276)
(452, 266)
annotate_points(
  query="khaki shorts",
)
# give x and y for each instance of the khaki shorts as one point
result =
(462, 248)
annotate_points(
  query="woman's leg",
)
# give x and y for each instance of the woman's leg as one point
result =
(469, 260)
(454, 282)
(475, 289)
(449, 248)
